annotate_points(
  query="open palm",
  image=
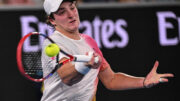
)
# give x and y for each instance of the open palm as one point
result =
(154, 78)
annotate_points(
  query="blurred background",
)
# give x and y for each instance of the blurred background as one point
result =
(39, 2)
(132, 34)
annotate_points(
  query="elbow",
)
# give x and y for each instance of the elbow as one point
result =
(112, 86)
(109, 86)
(71, 81)
(67, 82)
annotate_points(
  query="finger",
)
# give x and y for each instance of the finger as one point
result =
(161, 80)
(155, 66)
(95, 54)
(166, 75)
(92, 60)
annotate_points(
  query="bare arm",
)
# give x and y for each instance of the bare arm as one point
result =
(68, 73)
(121, 81)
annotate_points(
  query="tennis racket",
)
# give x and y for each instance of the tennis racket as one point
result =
(29, 59)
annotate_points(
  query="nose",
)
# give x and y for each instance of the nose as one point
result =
(70, 14)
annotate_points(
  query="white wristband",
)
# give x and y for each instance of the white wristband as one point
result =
(81, 68)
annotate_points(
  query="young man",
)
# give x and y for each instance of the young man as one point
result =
(76, 81)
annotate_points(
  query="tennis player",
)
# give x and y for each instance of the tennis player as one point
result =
(77, 81)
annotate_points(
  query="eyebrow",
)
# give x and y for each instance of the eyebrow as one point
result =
(60, 9)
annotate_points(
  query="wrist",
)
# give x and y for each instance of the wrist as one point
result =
(144, 86)
(81, 68)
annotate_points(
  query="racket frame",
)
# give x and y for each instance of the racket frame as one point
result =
(20, 63)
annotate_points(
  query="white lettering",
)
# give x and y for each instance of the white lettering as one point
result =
(179, 28)
(121, 32)
(97, 23)
(103, 31)
(163, 25)
(87, 26)
(26, 28)
(107, 32)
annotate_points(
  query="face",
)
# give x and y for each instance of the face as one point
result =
(66, 18)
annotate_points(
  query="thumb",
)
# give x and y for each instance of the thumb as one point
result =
(156, 64)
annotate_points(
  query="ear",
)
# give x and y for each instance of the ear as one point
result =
(52, 21)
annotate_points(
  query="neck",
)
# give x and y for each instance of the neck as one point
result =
(73, 35)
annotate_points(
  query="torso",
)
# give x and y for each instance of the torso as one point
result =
(55, 89)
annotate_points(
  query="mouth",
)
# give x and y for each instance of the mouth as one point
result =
(72, 21)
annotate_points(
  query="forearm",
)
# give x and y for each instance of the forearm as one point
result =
(69, 74)
(73, 72)
(121, 81)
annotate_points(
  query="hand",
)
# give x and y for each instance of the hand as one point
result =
(92, 63)
(154, 78)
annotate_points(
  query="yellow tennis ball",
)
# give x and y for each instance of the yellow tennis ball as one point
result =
(52, 50)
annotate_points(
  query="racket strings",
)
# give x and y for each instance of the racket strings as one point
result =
(32, 62)
(29, 60)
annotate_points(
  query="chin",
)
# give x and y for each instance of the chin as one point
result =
(74, 29)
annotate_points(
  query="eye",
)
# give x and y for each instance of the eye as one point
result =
(60, 12)
(72, 7)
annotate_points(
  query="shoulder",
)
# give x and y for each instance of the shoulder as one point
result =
(89, 40)
(85, 36)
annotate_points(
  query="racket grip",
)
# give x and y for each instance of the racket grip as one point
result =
(85, 58)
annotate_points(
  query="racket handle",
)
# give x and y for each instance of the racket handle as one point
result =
(85, 58)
